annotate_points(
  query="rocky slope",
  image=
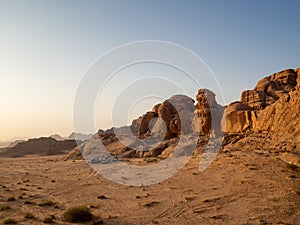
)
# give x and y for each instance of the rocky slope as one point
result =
(270, 112)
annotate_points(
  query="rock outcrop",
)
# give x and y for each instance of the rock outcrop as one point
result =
(256, 109)
(272, 107)
(208, 114)
(267, 117)
(176, 113)
(167, 121)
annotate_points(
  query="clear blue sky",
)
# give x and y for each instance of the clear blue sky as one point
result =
(46, 47)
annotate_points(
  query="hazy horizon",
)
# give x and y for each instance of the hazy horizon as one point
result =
(47, 46)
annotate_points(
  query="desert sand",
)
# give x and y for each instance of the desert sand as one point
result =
(240, 187)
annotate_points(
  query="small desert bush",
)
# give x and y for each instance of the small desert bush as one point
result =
(101, 197)
(10, 199)
(28, 202)
(78, 214)
(9, 221)
(23, 189)
(20, 197)
(4, 207)
(28, 216)
(48, 220)
(47, 203)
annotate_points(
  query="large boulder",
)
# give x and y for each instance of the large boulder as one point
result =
(176, 113)
(145, 122)
(239, 117)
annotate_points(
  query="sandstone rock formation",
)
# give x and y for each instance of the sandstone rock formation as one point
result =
(208, 113)
(169, 121)
(177, 114)
(255, 110)
(272, 109)
(165, 124)
(266, 118)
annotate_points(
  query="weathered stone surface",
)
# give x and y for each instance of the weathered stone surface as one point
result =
(269, 89)
(298, 79)
(128, 153)
(145, 122)
(135, 125)
(208, 113)
(177, 113)
(254, 99)
(281, 81)
(155, 108)
(273, 106)
(236, 117)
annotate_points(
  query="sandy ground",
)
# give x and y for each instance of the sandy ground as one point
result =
(240, 187)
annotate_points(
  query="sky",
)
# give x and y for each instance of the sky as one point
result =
(47, 47)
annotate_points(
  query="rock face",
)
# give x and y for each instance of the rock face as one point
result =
(267, 117)
(298, 79)
(238, 117)
(177, 114)
(270, 89)
(208, 113)
(272, 106)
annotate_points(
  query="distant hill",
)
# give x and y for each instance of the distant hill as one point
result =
(9, 144)
(79, 136)
(14, 143)
(57, 137)
(4, 144)
(39, 146)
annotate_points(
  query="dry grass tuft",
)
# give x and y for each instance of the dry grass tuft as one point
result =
(78, 214)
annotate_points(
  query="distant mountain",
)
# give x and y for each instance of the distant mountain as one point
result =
(80, 136)
(57, 137)
(39, 146)
(4, 144)
(10, 144)
(14, 143)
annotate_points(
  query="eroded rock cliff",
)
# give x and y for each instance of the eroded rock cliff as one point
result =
(271, 109)
(266, 118)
